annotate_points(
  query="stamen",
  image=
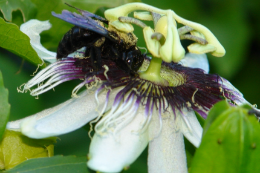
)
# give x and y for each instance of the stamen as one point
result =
(185, 29)
(194, 38)
(132, 20)
(156, 17)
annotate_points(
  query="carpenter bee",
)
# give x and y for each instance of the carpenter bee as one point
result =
(101, 42)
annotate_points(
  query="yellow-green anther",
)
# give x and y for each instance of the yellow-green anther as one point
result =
(124, 10)
(156, 17)
(125, 27)
(143, 15)
(209, 36)
(172, 49)
(184, 30)
(132, 20)
(197, 34)
(193, 38)
(158, 36)
(162, 26)
(200, 49)
(153, 45)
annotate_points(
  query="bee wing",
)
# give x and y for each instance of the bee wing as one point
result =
(89, 14)
(85, 22)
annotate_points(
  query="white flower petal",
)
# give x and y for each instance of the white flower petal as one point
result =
(33, 28)
(237, 97)
(196, 61)
(191, 127)
(111, 153)
(167, 151)
(238, 94)
(63, 118)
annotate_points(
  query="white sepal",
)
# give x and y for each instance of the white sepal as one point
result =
(166, 151)
(63, 118)
(196, 61)
(191, 127)
(32, 29)
(112, 152)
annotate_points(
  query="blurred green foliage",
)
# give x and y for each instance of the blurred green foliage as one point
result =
(57, 164)
(4, 106)
(234, 23)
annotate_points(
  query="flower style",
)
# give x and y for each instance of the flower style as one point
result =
(155, 107)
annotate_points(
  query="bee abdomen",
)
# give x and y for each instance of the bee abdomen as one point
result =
(73, 40)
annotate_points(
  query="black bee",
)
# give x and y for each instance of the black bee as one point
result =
(101, 43)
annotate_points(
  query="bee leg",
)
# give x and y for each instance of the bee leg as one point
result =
(95, 58)
(87, 52)
(98, 57)
(116, 55)
(120, 59)
(92, 58)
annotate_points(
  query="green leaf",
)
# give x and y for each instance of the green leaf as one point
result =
(16, 148)
(215, 111)
(190, 151)
(51, 38)
(4, 106)
(17, 42)
(200, 119)
(57, 164)
(26, 7)
(231, 144)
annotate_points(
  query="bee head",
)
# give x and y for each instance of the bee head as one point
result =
(134, 60)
